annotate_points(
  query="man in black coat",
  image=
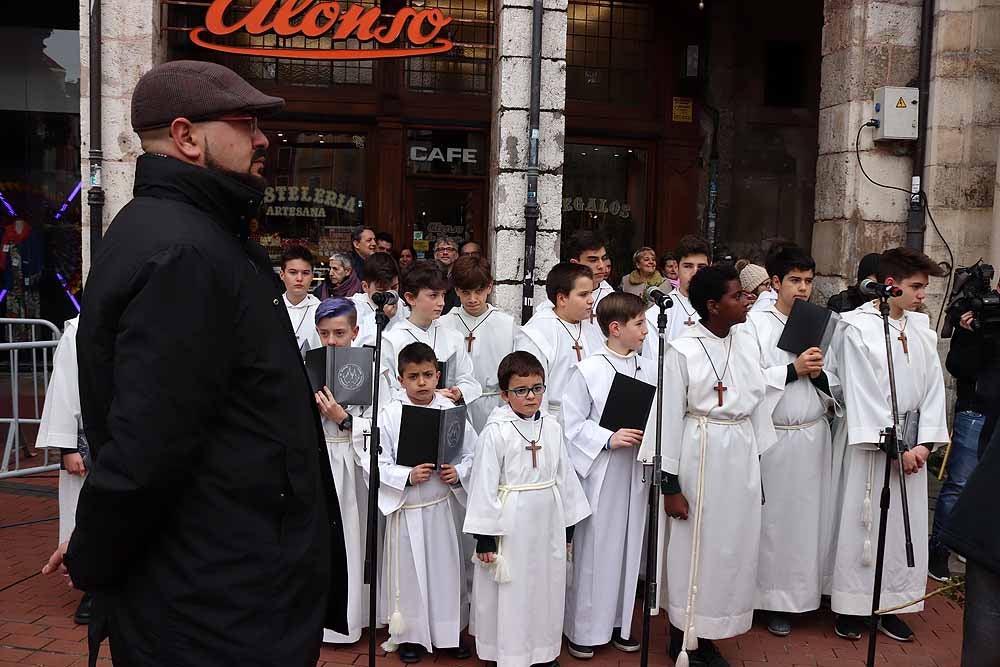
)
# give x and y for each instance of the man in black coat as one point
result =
(208, 530)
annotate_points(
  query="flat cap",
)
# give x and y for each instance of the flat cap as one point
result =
(197, 91)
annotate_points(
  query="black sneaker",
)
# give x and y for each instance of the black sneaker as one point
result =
(850, 627)
(893, 627)
(937, 565)
(626, 645)
(409, 653)
(707, 655)
(461, 652)
(580, 652)
(82, 615)
(779, 625)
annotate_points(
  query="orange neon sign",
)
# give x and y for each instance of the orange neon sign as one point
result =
(312, 19)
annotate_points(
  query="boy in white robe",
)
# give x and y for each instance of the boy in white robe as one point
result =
(863, 372)
(558, 337)
(794, 470)
(692, 255)
(423, 290)
(379, 274)
(487, 331)
(716, 425)
(336, 326)
(61, 428)
(590, 249)
(608, 549)
(524, 500)
(423, 564)
(297, 273)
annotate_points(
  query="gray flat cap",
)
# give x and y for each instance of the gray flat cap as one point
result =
(197, 91)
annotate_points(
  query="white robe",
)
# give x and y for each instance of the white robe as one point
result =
(303, 319)
(678, 316)
(765, 301)
(546, 336)
(920, 386)
(449, 347)
(366, 319)
(519, 623)
(423, 565)
(737, 433)
(61, 423)
(608, 546)
(794, 473)
(494, 340)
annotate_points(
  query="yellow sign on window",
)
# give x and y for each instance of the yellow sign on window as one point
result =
(683, 111)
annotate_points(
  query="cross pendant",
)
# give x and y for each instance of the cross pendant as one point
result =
(902, 339)
(689, 322)
(720, 388)
(468, 340)
(533, 448)
(578, 348)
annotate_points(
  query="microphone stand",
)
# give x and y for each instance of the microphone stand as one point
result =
(652, 519)
(371, 549)
(893, 449)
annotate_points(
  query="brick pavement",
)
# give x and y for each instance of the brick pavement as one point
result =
(36, 625)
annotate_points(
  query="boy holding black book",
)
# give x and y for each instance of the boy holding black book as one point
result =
(423, 580)
(608, 549)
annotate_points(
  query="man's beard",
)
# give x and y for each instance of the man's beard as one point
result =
(258, 183)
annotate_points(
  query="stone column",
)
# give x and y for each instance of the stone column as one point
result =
(509, 144)
(866, 44)
(130, 46)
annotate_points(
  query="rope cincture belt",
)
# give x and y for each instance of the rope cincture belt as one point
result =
(690, 642)
(396, 624)
(797, 427)
(501, 572)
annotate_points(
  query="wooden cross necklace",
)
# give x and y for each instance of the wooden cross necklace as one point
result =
(471, 337)
(688, 322)
(576, 340)
(902, 335)
(719, 386)
(533, 445)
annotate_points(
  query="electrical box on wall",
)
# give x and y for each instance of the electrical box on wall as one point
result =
(896, 110)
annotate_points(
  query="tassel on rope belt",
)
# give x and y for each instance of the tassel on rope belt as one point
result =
(396, 624)
(797, 427)
(690, 642)
(501, 572)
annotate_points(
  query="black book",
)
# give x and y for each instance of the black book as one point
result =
(347, 371)
(628, 404)
(809, 325)
(429, 435)
(447, 378)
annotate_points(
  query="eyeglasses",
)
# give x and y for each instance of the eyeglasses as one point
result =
(521, 392)
(237, 119)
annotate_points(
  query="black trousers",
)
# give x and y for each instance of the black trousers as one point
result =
(981, 642)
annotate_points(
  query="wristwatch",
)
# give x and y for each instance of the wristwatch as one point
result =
(347, 423)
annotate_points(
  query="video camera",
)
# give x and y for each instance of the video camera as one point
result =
(973, 292)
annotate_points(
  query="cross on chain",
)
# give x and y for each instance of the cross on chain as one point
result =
(902, 339)
(720, 388)
(468, 340)
(533, 448)
(578, 349)
(689, 322)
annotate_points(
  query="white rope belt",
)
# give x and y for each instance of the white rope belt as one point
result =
(501, 572)
(396, 624)
(338, 439)
(797, 427)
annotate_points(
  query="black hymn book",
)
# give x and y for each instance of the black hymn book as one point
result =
(430, 435)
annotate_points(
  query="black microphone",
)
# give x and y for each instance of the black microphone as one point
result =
(659, 297)
(382, 299)
(873, 288)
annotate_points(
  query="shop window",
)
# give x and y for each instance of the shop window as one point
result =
(315, 194)
(608, 43)
(604, 189)
(467, 67)
(784, 74)
(446, 153)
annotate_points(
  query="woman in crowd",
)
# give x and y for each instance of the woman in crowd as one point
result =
(340, 279)
(645, 273)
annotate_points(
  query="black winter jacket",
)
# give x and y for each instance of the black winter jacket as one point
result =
(209, 528)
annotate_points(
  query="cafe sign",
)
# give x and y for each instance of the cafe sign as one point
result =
(318, 18)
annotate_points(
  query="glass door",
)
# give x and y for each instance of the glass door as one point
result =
(442, 209)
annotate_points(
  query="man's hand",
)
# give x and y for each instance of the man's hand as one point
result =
(55, 564)
(421, 473)
(966, 320)
(915, 459)
(448, 474)
(454, 394)
(626, 437)
(74, 463)
(809, 362)
(487, 558)
(676, 506)
(328, 407)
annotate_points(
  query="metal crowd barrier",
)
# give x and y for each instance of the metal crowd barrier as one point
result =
(30, 345)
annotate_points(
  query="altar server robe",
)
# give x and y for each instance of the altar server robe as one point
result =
(61, 424)
(919, 386)
(736, 433)
(519, 623)
(366, 318)
(546, 336)
(678, 316)
(608, 546)
(494, 340)
(423, 564)
(448, 345)
(303, 318)
(795, 478)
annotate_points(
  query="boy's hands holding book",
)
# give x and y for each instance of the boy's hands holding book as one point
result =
(626, 437)
(422, 473)
(448, 474)
(328, 407)
(453, 394)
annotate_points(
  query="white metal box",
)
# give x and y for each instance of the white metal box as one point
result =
(896, 109)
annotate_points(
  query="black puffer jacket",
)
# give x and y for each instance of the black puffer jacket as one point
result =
(209, 527)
